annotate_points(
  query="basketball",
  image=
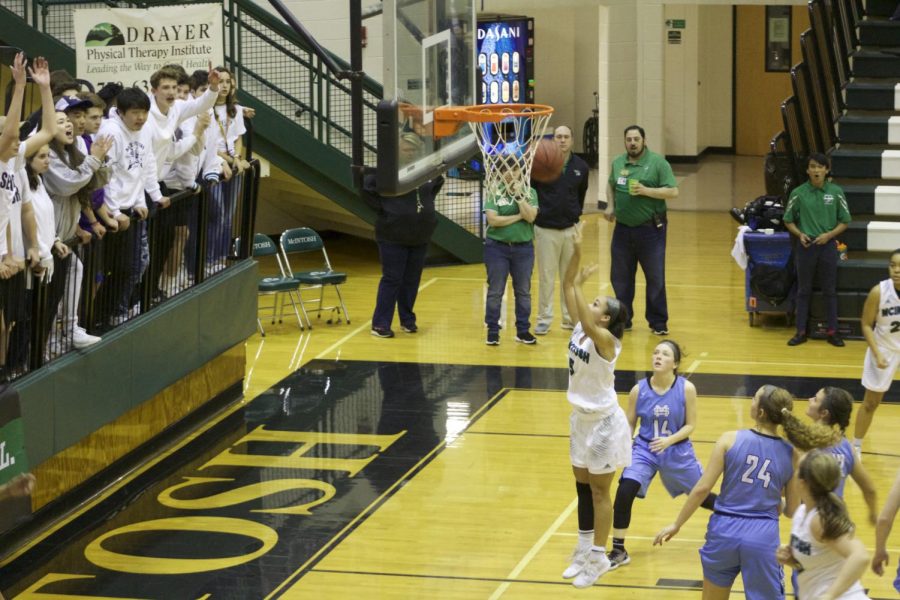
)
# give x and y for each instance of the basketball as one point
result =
(548, 162)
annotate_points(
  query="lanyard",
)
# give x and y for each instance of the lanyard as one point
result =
(223, 130)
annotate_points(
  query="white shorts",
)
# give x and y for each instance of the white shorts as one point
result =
(875, 379)
(599, 445)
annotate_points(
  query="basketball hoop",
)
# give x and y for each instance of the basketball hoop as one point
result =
(508, 136)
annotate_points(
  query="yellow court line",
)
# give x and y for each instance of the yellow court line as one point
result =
(120, 483)
(340, 342)
(534, 550)
(403, 479)
(696, 363)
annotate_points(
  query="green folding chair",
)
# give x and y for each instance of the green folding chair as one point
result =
(303, 240)
(277, 286)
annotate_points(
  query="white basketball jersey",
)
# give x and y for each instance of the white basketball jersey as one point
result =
(591, 377)
(887, 325)
(820, 563)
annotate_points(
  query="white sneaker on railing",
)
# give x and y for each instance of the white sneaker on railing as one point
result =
(82, 339)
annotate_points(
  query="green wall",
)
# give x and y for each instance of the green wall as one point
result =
(73, 396)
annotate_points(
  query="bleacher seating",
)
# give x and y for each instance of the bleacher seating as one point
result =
(850, 69)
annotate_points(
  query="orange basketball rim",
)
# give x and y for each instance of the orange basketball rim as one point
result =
(449, 119)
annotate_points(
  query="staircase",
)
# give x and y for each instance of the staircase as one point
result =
(302, 123)
(867, 159)
(846, 103)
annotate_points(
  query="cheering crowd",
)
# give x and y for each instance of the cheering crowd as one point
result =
(92, 166)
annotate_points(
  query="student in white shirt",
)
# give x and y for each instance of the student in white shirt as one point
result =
(207, 166)
(52, 252)
(132, 175)
(71, 180)
(12, 160)
(227, 128)
(167, 116)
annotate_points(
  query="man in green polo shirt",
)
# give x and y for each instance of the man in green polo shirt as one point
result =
(817, 213)
(640, 182)
(509, 251)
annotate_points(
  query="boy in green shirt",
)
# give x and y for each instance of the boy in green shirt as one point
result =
(817, 213)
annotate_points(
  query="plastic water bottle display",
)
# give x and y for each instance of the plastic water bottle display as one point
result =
(482, 63)
(515, 62)
(504, 91)
(494, 65)
(483, 93)
(515, 90)
(495, 92)
(504, 64)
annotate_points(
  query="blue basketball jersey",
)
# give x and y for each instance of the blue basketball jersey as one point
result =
(843, 451)
(757, 467)
(660, 415)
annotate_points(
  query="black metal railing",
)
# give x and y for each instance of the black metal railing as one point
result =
(112, 279)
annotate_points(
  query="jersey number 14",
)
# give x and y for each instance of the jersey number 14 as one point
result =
(661, 429)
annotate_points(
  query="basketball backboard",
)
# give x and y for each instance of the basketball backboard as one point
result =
(429, 62)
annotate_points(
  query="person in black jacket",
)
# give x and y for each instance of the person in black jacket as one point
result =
(403, 229)
(560, 204)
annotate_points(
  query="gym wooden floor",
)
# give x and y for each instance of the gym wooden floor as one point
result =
(486, 509)
(495, 516)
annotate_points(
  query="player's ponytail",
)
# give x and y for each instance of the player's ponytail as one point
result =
(806, 436)
(821, 473)
(776, 404)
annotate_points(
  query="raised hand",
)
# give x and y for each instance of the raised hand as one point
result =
(40, 72)
(213, 77)
(18, 69)
(101, 147)
(585, 273)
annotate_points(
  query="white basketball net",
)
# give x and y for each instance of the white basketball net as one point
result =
(508, 147)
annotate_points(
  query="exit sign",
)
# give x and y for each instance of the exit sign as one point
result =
(677, 23)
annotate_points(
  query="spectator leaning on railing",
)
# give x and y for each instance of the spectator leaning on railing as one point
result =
(12, 160)
(167, 114)
(71, 180)
(133, 174)
(81, 177)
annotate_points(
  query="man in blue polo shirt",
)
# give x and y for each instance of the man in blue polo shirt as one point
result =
(560, 204)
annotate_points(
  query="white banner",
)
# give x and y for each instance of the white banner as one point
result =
(127, 45)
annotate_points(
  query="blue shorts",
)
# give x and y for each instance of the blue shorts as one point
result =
(678, 467)
(897, 580)
(746, 546)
